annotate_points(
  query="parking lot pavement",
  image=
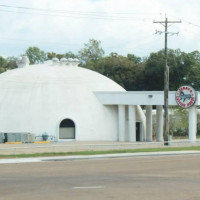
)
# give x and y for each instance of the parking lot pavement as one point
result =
(152, 178)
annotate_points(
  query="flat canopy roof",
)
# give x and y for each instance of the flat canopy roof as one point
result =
(138, 98)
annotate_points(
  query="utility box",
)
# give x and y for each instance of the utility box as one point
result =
(2, 137)
(14, 137)
(11, 137)
(17, 137)
(32, 138)
(27, 138)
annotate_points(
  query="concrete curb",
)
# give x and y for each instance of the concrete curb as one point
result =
(88, 157)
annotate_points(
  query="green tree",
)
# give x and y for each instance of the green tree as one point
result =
(193, 76)
(178, 121)
(154, 71)
(91, 52)
(120, 69)
(36, 55)
(59, 56)
(3, 64)
(2, 70)
(134, 58)
(181, 65)
(69, 54)
(11, 62)
(51, 55)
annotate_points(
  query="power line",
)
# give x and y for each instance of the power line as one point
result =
(77, 14)
(186, 21)
(88, 14)
(80, 16)
(77, 11)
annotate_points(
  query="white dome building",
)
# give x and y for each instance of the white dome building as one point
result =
(58, 99)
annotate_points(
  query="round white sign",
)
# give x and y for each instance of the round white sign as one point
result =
(185, 96)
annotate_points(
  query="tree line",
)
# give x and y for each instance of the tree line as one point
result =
(131, 72)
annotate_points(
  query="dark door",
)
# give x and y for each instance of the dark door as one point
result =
(138, 131)
(5, 137)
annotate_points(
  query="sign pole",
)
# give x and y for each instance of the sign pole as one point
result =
(166, 91)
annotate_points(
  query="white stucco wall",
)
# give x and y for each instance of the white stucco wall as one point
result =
(37, 98)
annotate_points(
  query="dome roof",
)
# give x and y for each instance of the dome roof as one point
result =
(37, 98)
(71, 76)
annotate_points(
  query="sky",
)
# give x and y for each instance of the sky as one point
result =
(122, 26)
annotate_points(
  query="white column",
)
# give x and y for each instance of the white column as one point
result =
(159, 123)
(192, 123)
(131, 123)
(121, 123)
(149, 123)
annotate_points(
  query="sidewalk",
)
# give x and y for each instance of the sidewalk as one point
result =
(89, 157)
(6, 149)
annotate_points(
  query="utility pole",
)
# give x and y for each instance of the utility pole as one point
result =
(166, 77)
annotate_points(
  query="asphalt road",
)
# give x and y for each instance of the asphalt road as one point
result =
(142, 178)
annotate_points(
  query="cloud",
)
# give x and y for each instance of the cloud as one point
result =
(123, 26)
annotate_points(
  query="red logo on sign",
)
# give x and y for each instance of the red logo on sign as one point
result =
(185, 96)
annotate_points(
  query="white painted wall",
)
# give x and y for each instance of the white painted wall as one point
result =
(37, 98)
(137, 98)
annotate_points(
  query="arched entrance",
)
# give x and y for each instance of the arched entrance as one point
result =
(67, 130)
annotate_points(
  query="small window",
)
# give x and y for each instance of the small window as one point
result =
(67, 129)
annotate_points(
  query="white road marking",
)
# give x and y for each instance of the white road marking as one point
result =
(19, 160)
(89, 187)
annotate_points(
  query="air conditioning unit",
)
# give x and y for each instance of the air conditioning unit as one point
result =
(32, 138)
(27, 138)
(13, 137)
(1, 137)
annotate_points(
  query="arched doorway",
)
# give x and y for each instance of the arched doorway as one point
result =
(67, 130)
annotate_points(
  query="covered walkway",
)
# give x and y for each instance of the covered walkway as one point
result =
(127, 102)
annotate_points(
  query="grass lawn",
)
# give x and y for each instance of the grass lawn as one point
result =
(102, 152)
(183, 137)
